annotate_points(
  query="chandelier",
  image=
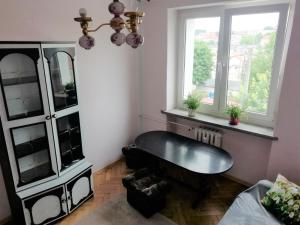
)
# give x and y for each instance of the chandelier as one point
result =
(117, 23)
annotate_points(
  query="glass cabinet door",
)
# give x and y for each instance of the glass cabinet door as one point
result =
(32, 154)
(69, 138)
(61, 69)
(20, 83)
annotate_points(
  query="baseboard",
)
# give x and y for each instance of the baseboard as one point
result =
(237, 180)
(112, 164)
(5, 220)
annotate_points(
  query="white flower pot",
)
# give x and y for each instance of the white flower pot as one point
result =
(191, 112)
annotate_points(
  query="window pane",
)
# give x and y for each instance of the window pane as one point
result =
(202, 37)
(251, 56)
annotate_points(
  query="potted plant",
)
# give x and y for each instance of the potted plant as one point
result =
(234, 112)
(192, 103)
(69, 86)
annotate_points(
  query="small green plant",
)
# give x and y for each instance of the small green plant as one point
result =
(192, 102)
(69, 86)
(234, 111)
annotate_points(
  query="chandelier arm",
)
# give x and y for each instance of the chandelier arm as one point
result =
(102, 25)
(127, 26)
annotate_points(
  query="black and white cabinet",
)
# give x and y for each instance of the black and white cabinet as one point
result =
(41, 151)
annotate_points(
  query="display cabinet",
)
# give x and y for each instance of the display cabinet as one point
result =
(42, 157)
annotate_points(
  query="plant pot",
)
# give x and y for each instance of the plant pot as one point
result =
(234, 121)
(191, 112)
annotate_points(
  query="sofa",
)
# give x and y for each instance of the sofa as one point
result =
(248, 210)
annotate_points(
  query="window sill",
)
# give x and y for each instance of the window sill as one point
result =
(258, 131)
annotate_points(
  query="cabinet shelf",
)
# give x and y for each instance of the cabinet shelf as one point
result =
(19, 80)
(71, 156)
(72, 147)
(30, 147)
(65, 166)
(28, 114)
(67, 131)
(36, 173)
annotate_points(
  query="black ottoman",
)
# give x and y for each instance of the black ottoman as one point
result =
(146, 192)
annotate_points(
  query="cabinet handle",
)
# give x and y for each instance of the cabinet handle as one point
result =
(63, 200)
(48, 117)
(69, 197)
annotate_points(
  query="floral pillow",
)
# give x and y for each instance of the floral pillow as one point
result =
(283, 200)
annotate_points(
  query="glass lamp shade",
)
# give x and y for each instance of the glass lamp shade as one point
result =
(87, 42)
(134, 40)
(134, 6)
(116, 8)
(117, 23)
(118, 38)
(82, 12)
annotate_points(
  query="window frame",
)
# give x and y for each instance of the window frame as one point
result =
(222, 68)
(185, 15)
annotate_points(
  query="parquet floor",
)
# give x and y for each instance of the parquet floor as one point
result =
(107, 184)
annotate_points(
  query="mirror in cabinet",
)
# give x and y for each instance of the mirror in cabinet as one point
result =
(61, 69)
(32, 154)
(20, 83)
(69, 138)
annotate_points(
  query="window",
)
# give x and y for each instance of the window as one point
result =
(232, 56)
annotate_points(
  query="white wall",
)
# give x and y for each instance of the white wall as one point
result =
(108, 74)
(285, 154)
(251, 154)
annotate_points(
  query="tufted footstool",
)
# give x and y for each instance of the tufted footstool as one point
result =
(146, 192)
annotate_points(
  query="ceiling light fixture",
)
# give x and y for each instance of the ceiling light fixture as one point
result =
(117, 23)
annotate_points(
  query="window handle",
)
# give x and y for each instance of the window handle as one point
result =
(48, 117)
(53, 116)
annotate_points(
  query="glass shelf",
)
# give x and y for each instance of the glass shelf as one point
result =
(19, 80)
(27, 114)
(30, 147)
(68, 131)
(36, 173)
(32, 153)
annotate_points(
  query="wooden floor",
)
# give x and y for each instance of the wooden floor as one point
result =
(107, 184)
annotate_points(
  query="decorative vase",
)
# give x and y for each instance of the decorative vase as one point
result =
(234, 121)
(191, 112)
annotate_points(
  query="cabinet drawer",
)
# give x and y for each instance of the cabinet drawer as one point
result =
(46, 207)
(79, 190)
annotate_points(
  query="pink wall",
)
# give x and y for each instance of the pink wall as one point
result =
(253, 156)
(108, 75)
(109, 85)
(285, 154)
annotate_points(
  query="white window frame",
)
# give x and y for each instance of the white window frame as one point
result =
(220, 97)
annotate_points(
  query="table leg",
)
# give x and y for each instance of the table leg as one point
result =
(205, 186)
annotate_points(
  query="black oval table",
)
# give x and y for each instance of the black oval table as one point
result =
(187, 153)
